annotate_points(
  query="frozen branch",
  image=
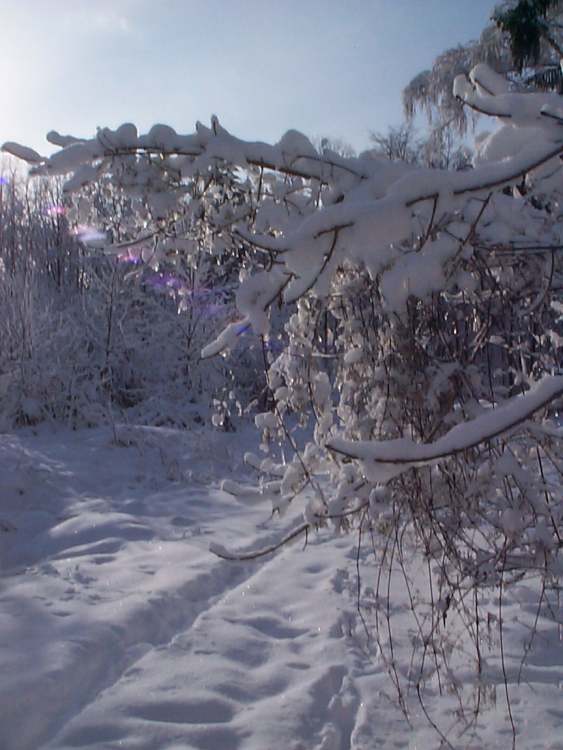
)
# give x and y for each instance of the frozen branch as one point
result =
(462, 437)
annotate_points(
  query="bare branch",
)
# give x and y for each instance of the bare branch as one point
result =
(225, 554)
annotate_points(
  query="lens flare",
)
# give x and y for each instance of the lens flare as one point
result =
(56, 211)
(129, 257)
(165, 281)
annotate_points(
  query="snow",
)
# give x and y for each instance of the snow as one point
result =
(488, 80)
(254, 296)
(226, 339)
(120, 629)
(22, 152)
(57, 139)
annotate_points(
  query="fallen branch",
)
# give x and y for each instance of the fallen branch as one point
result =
(225, 554)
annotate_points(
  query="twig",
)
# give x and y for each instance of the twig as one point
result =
(256, 554)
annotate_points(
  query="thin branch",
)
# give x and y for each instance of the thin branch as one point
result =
(225, 554)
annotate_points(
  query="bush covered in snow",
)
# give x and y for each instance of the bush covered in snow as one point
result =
(87, 337)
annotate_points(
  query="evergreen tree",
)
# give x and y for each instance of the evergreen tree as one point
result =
(524, 42)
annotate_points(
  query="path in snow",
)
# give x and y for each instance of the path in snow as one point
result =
(109, 570)
(119, 629)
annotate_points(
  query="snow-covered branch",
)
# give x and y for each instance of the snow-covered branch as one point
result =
(462, 437)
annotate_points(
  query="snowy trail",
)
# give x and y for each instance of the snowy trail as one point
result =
(84, 550)
(119, 629)
(109, 575)
(251, 671)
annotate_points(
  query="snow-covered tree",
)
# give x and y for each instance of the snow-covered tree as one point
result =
(440, 148)
(86, 335)
(420, 365)
(534, 31)
(398, 143)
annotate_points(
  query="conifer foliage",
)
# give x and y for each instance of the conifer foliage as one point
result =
(527, 24)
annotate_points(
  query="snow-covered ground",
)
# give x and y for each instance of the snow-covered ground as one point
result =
(119, 629)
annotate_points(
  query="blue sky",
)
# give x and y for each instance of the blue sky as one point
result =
(325, 67)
